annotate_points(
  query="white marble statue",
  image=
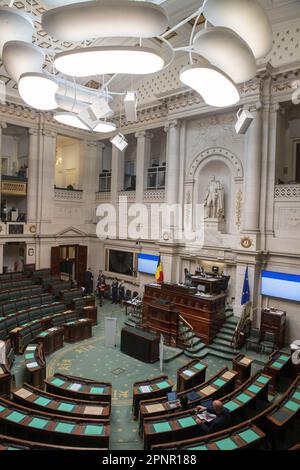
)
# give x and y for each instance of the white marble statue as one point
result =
(214, 200)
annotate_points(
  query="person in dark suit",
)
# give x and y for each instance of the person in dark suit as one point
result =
(221, 421)
(88, 281)
(114, 291)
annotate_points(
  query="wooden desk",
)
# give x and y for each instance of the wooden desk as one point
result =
(51, 339)
(12, 443)
(212, 284)
(140, 344)
(273, 320)
(148, 389)
(191, 374)
(206, 314)
(279, 364)
(77, 330)
(90, 312)
(5, 381)
(35, 364)
(242, 364)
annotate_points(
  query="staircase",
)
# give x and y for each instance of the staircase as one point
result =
(221, 346)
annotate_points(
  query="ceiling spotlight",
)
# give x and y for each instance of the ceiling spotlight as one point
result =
(38, 91)
(108, 60)
(119, 141)
(246, 17)
(105, 127)
(215, 87)
(130, 106)
(244, 120)
(97, 110)
(71, 119)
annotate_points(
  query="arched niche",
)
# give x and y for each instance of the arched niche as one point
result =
(227, 168)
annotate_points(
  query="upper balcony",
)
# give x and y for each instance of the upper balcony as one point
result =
(13, 186)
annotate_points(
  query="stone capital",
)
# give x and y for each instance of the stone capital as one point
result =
(33, 131)
(48, 133)
(255, 107)
(3, 125)
(143, 135)
(172, 125)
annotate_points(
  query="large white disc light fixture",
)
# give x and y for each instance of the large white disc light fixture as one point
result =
(105, 127)
(246, 17)
(108, 60)
(38, 91)
(224, 49)
(215, 87)
(22, 57)
(105, 18)
(71, 119)
(15, 25)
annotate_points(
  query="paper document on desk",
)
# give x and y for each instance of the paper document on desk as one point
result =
(205, 416)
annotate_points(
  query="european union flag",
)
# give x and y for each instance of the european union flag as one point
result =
(246, 289)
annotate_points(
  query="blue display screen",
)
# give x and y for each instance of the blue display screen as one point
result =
(147, 263)
(280, 285)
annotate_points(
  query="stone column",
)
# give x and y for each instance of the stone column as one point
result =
(99, 163)
(1, 257)
(46, 177)
(253, 165)
(2, 126)
(172, 177)
(32, 186)
(89, 179)
(117, 173)
(142, 163)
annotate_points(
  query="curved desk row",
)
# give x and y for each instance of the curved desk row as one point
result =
(184, 425)
(13, 294)
(5, 381)
(12, 443)
(222, 383)
(79, 388)
(32, 425)
(51, 339)
(14, 306)
(34, 398)
(243, 436)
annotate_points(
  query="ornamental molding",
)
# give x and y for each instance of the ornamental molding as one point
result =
(155, 195)
(220, 153)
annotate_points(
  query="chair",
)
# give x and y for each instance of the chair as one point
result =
(267, 345)
(253, 339)
(128, 294)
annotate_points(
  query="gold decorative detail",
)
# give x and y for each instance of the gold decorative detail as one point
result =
(246, 242)
(238, 208)
(32, 229)
(166, 236)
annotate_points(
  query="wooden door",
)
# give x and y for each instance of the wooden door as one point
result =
(55, 260)
(81, 264)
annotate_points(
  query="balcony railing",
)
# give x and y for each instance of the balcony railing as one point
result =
(61, 194)
(289, 192)
(13, 186)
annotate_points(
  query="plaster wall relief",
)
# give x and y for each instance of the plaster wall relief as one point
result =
(287, 220)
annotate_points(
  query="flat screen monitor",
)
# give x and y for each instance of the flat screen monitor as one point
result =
(121, 262)
(280, 285)
(201, 288)
(147, 263)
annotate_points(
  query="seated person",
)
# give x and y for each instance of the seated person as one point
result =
(184, 403)
(221, 421)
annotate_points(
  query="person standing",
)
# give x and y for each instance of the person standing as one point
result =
(114, 291)
(121, 292)
(88, 281)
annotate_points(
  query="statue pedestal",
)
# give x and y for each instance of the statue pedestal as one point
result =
(214, 225)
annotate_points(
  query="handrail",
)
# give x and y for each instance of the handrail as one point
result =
(186, 322)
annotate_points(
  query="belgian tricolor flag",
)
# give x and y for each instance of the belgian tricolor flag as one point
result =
(159, 275)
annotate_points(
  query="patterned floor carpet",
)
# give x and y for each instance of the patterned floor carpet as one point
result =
(91, 359)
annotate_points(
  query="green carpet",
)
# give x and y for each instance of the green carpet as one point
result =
(91, 359)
